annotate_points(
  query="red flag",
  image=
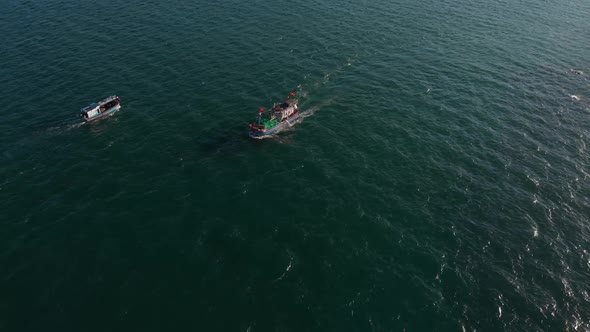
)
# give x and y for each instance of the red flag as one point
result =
(261, 110)
(292, 94)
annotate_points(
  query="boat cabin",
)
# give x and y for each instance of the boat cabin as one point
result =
(90, 110)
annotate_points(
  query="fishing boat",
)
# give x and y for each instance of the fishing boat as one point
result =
(281, 116)
(103, 108)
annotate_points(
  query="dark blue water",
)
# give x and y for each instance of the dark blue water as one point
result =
(440, 179)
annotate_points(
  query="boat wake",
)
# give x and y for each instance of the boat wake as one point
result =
(76, 125)
(65, 125)
(311, 111)
(286, 270)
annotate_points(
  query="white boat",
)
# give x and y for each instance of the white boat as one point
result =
(103, 108)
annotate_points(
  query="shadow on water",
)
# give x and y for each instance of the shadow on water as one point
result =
(234, 139)
(216, 140)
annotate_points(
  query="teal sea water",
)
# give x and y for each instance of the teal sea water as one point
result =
(440, 180)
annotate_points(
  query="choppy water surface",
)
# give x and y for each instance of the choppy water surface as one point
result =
(440, 181)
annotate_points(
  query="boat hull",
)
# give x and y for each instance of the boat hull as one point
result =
(260, 134)
(106, 113)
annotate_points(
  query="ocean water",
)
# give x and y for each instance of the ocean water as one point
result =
(439, 181)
